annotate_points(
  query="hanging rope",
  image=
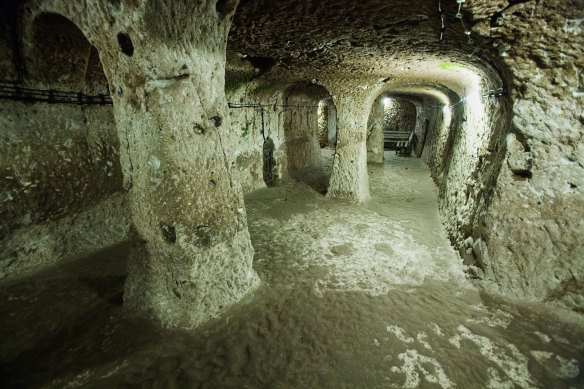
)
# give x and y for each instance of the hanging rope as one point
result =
(269, 162)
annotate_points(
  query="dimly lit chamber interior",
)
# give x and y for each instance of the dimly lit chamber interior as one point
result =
(291, 194)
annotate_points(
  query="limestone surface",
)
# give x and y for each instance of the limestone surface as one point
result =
(179, 107)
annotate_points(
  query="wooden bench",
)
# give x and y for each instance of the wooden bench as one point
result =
(396, 135)
(396, 140)
(401, 147)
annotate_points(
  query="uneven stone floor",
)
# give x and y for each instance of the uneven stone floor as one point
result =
(353, 296)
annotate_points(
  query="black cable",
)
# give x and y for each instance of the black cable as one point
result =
(12, 91)
(260, 105)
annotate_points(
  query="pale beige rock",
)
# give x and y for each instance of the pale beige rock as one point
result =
(191, 255)
(509, 168)
(375, 127)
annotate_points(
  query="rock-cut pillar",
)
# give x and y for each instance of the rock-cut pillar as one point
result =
(375, 132)
(191, 255)
(349, 178)
(332, 124)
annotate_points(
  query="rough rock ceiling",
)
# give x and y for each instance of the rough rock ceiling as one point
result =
(308, 39)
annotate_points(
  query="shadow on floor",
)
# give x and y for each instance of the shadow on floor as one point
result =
(315, 177)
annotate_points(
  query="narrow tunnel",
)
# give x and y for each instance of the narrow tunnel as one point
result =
(291, 194)
(303, 111)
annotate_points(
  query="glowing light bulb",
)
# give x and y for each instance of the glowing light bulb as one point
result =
(387, 101)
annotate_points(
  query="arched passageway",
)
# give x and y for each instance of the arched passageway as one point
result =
(327, 123)
(60, 154)
(374, 284)
(281, 129)
(162, 156)
(392, 122)
(308, 117)
(453, 130)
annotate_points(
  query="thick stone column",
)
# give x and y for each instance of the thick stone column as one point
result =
(301, 133)
(332, 124)
(191, 256)
(375, 132)
(349, 178)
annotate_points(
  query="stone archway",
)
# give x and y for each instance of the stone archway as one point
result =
(327, 123)
(191, 255)
(301, 126)
(308, 117)
(72, 200)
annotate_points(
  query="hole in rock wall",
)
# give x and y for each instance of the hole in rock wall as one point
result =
(264, 64)
(116, 4)
(126, 44)
(224, 7)
(522, 175)
(168, 232)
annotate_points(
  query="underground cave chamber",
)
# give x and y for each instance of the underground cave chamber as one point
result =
(300, 194)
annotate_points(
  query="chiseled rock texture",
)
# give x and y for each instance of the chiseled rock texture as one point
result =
(530, 238)
(61, 188)
(349, 177)
(509, 168)
(58, 163)
(375, 123)
(323, 123)
(327, 123)
(400, 115)
(301, 127)
(191, 254)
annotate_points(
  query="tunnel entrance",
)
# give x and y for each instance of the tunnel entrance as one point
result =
(72, 198)
(368, 287)
(327, 123)
(399, 122)
(310, 134)
(269, 162)
(391, 127)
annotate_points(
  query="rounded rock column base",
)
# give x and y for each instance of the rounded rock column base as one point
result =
(182, 287)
